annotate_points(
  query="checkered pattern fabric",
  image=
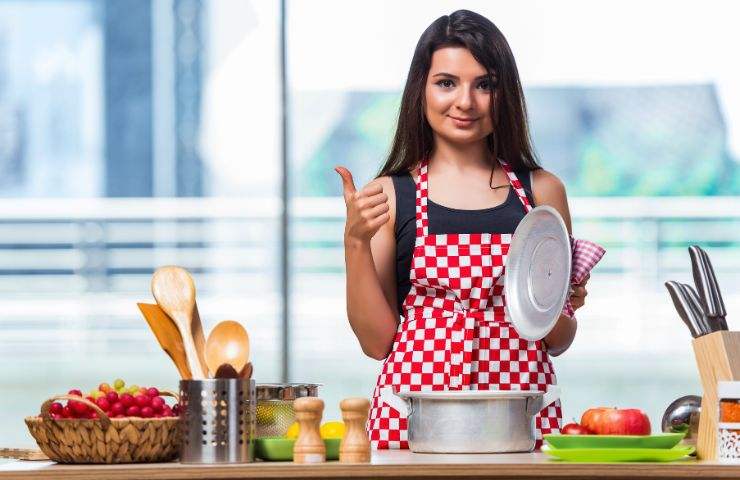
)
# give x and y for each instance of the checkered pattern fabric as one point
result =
(455, 335)
(585, 257)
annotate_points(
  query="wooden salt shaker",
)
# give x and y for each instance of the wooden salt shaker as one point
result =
(309, 447)
(355, 446)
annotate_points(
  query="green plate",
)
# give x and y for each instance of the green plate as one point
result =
(661, 440)
(618, 454)
(280, 449)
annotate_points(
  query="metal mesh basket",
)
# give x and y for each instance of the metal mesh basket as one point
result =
(274, 411)
(218, 420)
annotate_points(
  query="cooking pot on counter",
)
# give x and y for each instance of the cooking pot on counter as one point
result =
(470, 421)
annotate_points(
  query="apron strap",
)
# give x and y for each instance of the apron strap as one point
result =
(422, 215)
(516, 185)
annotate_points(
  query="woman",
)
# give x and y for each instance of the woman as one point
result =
(428, 238)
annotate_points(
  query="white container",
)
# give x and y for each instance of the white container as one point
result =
(728, 427)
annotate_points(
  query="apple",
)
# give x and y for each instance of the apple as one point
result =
(616, 421)
(575, 429)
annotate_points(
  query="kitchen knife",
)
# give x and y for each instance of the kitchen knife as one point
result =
(682, 307)
(701, 279)
(695, 304)
(694, 314)
(718, 309)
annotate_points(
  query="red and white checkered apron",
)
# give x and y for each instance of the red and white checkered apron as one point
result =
(454, 334)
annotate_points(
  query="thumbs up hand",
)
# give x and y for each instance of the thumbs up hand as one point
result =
(367, 209)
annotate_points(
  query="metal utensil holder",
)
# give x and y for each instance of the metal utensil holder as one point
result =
(217, 419)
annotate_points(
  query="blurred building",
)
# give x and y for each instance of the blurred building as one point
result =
(78, 111)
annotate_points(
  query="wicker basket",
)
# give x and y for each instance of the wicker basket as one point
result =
(105, 440)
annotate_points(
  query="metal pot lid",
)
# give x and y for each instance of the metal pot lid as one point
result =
(537, 273)
(471, 394)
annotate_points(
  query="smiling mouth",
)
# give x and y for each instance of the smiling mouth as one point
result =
(462, 119)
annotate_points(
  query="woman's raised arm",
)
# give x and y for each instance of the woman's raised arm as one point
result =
(369, 255)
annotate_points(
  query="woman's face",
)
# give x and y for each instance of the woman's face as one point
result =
(458, 96)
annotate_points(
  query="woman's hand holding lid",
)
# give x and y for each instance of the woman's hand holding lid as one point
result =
(578, 297)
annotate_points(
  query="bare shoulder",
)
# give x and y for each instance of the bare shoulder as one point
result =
(548, 189)
(386, 182)
(547, 184)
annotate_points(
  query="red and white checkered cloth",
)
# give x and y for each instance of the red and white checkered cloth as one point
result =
(586, 255)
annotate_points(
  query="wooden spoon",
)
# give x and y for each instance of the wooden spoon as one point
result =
(226, 371)
(246, 372)
(199, 338)
(174, 290)
(168, 336)
(228, 342)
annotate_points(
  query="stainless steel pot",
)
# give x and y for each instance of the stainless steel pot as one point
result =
(470, 421)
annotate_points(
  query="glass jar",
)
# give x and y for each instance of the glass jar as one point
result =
(728, 427)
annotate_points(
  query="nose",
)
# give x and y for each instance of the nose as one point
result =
(465, 98)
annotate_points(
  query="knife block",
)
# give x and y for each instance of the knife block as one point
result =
(718, 359)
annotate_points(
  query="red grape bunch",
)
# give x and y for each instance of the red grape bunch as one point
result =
(117, 401)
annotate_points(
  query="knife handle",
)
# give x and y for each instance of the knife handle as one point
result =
(718, 309)
(701, 279)
(697, 309)
(681, 306)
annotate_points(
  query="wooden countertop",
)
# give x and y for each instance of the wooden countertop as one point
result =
(385, 464)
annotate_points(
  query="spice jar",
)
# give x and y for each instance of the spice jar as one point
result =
(729, 421)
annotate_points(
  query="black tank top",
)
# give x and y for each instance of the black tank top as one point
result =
(502, 218)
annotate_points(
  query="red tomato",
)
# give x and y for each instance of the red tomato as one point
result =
(616, 421)
(575, 429)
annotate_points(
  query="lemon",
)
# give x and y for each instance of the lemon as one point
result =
(292, 430)
(332, 430)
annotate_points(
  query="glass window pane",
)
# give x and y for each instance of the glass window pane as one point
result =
(646, 141)
(132, 135)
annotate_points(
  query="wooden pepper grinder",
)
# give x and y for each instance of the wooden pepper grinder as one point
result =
(309, 447)
(355, 446)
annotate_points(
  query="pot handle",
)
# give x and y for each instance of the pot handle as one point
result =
(388, 396)
(537, 404)
(552, 394)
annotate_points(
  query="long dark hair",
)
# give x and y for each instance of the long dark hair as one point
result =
(510, 139)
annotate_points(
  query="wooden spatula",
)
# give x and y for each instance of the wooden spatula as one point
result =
(246, 373)
(168, 336)
(174, 290)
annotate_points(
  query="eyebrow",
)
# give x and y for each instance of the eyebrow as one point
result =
(455, 77)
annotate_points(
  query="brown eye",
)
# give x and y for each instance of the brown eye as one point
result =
(446, 83)
(484, 85)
